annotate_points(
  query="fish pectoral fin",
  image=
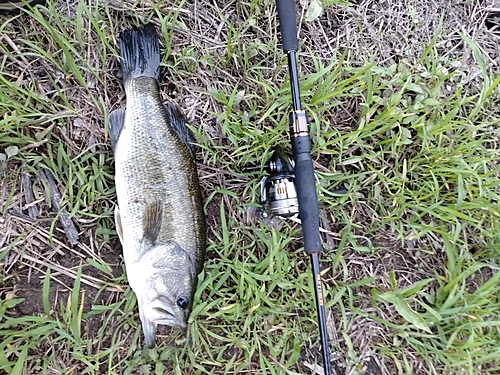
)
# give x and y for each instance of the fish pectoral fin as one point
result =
(116, 122)
(152, 220)
(118, 223)
(178, 122)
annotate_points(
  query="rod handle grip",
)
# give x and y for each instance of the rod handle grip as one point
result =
(305, 184)
(288, 24)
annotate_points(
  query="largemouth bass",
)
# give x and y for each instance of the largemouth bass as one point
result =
(159, 217)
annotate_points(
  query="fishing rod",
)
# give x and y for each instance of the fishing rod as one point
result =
(290, 187)
(305, 182)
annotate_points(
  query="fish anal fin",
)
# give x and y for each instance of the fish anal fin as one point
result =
(152, 220)
(116, 122)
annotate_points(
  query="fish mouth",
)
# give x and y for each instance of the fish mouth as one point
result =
(169, 317)
(160, 312)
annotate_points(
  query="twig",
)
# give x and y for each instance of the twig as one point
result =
(314, 367)
(29, 197)
(126, 5)
(55, 198)
(86, 279)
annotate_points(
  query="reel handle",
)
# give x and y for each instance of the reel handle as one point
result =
(288, 24)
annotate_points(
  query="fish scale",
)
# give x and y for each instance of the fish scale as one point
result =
(159, 217)
(148, 156)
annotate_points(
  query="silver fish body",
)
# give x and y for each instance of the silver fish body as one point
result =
(160, 217)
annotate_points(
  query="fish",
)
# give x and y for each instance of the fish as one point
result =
(159, 216)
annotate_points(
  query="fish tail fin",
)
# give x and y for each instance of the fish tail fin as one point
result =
(140, 52)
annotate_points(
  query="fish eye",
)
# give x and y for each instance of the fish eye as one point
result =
(182, 302)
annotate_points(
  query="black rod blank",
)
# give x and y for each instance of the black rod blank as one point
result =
(294, 79)
(323, 332)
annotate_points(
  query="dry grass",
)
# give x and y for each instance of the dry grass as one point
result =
(222, 65)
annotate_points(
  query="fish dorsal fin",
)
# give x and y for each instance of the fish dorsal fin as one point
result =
(178, 121)
(152, 220)
(116, 122)
(118, 223)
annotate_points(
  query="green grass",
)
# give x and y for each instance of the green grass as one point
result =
(411, 277)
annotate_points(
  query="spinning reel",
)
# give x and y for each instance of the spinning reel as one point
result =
(278, 195)
(277, 190)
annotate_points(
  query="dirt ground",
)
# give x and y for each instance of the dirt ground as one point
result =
(31, 239)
